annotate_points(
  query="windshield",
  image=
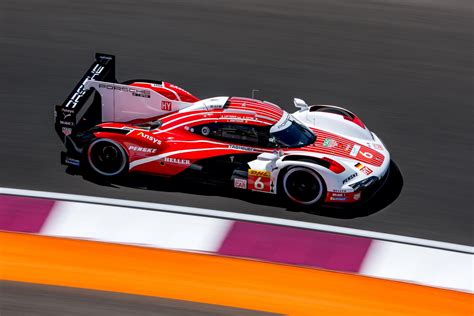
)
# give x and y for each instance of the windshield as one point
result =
(288, 132)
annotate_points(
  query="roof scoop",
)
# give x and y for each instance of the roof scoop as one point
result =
(300, 104)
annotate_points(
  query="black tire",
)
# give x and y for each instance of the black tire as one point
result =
(302, 187)
(106, 158)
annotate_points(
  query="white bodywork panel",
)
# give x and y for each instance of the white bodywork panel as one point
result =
(208, 104)
(334, 123)
(264, 162)
(338, 125)
(122, 103)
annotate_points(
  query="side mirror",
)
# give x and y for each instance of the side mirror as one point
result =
(267, 157)
(301, 104)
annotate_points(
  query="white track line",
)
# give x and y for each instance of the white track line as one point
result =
(241, 217)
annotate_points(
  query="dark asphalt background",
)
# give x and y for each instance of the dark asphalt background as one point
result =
(18, 298)
(405, 67)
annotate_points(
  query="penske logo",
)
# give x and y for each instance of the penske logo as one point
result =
(352, 176)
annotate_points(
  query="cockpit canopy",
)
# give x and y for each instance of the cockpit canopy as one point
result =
(288, 132)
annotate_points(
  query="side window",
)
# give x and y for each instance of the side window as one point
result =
(234, 133)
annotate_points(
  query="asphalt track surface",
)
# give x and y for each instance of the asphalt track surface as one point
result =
(34, 299)
(405, 67)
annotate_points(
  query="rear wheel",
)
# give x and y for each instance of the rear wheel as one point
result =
(303, 186)
(107, 158)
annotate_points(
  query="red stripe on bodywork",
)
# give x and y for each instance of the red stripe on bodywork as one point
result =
(343, 148)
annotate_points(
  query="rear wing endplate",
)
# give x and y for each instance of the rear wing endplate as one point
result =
(69, 113)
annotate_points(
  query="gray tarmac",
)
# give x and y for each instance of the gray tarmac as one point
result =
(18, 298)
(405, 67)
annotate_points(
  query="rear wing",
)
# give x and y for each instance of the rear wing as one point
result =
(112, 101)
(69, 113)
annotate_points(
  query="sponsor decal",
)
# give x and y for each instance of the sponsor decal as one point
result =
(142, 149)
(260, 173)
(238, 147)
(355, 150)
(348, 147)
(342, 197)
(67, 123)
(150, 138)
(166, 105)
(338, 198)
(134, 91)
(352, 176)
(73, 162)
(142, 93)
(356, 196)
(80, 90)
(378, 146)
(328, 142)
(240, 183)
(364, 169)
(67, 113)
(230, 116)
(234, 118)
(340, 191)
(284, 122)
(177, 161)
(260, 180)
(66, 131)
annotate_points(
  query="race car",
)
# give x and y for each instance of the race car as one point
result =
(318, 154)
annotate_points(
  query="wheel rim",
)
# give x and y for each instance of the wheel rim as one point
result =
(106, 157)
(302, 186)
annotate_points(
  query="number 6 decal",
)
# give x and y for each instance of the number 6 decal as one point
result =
(259, 180)
(366, 154)
(258, 184)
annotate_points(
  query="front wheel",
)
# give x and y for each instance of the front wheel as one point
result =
(107, 158)
(303, 186)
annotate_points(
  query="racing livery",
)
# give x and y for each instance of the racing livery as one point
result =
(319, 154)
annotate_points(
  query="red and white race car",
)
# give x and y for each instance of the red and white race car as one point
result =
(319, 154)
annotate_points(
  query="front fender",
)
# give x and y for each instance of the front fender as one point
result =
(332, 180)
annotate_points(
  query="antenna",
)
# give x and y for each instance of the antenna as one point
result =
(253, 92)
